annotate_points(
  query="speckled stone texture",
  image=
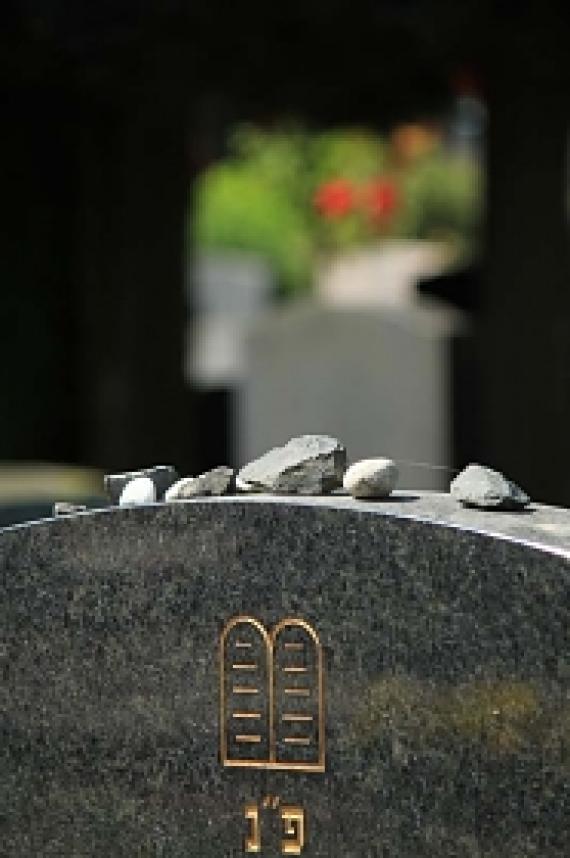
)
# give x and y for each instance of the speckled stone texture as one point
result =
(445, 635)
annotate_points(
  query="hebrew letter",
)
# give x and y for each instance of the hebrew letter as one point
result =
(294, 829)
(253, 840)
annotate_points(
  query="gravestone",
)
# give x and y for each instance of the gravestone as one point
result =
(299, 676)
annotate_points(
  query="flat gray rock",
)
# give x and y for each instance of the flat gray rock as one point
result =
(307, 465)
(163, 476)
(218, 481)
(484, 488)
(371, 478)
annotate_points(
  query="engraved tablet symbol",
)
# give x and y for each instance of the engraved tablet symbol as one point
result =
(271, 696)
(297, 696)
(246, 674)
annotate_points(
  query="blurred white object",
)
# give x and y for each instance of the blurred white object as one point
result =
(382, 276)
(232, 290)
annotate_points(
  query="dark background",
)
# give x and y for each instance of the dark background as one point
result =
(110, 108)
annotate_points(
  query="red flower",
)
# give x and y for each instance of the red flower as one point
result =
(381, 198)
(334, 199)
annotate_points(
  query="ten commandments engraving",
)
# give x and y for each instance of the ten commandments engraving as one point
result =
(272, 696)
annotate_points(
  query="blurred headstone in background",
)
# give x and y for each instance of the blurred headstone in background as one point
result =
(380, 379)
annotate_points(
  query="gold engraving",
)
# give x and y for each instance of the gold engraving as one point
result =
(272, 655)
(253, 839)
(246, 715)
(292, 754)
(244, 630)
(293, 819)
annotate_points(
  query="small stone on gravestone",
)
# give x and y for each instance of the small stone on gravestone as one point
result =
(307, 465)
(483, 488)
(218, 481)
(179, 489)
(139, 491)
(371, 478)
(66, 508)
(243, 487)
(163, 476)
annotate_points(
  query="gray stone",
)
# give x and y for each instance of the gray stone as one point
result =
(67, 508)
(371, 478)
(483, 488)
(163, 476)
(307, 465)
(137, 491)
(218, 481)
(446, 693)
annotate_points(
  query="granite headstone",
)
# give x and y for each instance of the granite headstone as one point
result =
(314, 676)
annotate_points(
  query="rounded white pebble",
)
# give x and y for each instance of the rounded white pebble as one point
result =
(371, 478)
(139, 490)
(178, 490)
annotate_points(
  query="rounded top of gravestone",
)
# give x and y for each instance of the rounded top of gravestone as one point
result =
(544, 527)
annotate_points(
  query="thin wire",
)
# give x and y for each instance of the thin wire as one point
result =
(427, 466)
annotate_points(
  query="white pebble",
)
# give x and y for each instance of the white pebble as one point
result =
(177, 491)
(371, 478)
(140, 490)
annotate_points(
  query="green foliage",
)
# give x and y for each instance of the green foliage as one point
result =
(238, 208)
(262, 197)
(354, 154)
(442, 198)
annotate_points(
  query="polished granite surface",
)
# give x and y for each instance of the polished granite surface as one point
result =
(404, 669)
